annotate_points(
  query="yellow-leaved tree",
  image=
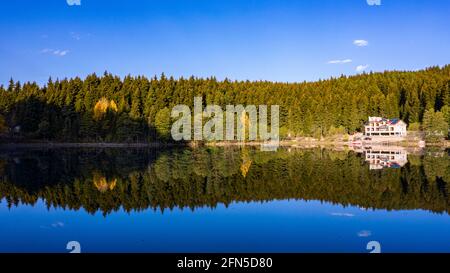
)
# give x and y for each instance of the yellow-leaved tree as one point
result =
(102, 106)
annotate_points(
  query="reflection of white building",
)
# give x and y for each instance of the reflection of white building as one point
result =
(380, 128)
(386, 157)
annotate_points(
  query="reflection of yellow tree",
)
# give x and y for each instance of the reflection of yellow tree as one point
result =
(246, 163)
(102, 106)
(102, 184)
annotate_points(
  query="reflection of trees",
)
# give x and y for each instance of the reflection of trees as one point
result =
(163, 168)
(436, 167)
(2, 167)
(109, 179)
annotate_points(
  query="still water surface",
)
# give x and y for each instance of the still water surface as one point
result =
(224, 200)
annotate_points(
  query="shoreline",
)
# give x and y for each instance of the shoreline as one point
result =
(87, 145)
(282, 143)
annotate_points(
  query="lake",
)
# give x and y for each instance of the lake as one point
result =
(224, 200)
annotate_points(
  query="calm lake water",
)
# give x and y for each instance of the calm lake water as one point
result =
(224, 200)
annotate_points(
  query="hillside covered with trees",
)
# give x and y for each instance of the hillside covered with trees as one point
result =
(108, 108)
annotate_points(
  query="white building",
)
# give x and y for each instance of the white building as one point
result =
(378, 127)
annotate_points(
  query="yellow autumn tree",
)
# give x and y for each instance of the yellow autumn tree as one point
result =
(102, 106)
(113, 106)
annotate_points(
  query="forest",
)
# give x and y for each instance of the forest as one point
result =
(108, 108)
(107, 180)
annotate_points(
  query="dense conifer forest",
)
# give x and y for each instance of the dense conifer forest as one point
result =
(137, 109)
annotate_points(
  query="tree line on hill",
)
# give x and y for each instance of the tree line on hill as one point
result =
(108, 108)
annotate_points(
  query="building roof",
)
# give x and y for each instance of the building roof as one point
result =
(393, 121)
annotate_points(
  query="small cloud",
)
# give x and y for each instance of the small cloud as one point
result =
(340, 61)
(360, 43)
(60, 52)
(56, 52)
(73, 2)
(343, 214)
(58, 224)
(53, 225)
(75, 36)
(373, 2)
(365, 233)
(361, 68)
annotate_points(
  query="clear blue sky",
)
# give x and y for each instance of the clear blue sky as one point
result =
(271, 40)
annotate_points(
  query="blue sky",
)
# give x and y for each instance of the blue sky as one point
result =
(256, 40)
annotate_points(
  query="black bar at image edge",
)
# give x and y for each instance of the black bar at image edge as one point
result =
(188, 262)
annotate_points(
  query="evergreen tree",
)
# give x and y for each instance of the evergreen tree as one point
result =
(162, 123)
(434, 125)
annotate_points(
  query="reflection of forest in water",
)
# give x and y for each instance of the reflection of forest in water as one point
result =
(136, 179)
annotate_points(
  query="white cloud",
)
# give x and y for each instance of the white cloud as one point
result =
(53, 225)
(56, 52)
(365, 233)
(361, 68)
(342, 214)
(73, 2)
(61, 52)
(75, 36)
(373, 2)
(58, 224)
(340, 61)
(360, 43)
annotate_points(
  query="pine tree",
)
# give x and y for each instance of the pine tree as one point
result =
(162, 123)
